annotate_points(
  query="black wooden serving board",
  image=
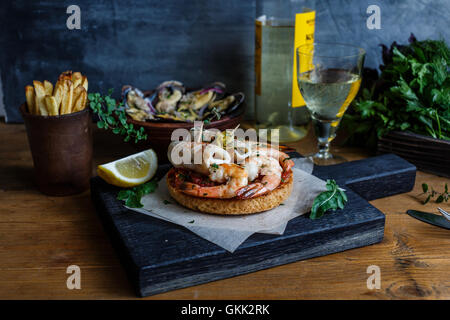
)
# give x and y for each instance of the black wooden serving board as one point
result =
(160, 256)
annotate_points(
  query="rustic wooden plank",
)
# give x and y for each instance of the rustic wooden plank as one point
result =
(408, 280)
(57, 244)
(50, 283)
(374, 177)
(403, 278)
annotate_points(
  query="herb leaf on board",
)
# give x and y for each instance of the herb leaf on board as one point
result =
(332, 199)
(133, 196)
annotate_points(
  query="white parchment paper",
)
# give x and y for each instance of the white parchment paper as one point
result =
(229, 232)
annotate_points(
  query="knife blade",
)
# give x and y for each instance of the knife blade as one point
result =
(430, 218)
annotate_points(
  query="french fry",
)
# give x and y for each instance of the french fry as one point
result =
(52, 108)
(66, 103)
(39, 98)
(66, 75)
(76, 82)
(69, 94)
(63, 88)
(31, 96)
(48, 87)
(58, 92)
(84, 96)
(84, 83)
(80, 100)
(77, 92)
(76, 79)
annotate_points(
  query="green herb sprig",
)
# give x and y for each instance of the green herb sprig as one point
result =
(133, 196)
(216, 113)
(332, 199)
(412, 93)
(112, 116)
(442, 196)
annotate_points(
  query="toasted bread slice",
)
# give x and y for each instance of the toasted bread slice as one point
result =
(233, 206)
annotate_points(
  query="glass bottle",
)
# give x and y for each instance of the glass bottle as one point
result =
(274, 57)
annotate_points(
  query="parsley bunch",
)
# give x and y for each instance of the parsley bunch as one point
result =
(332, 199)
(133, 196)
(112, 116)
(412, 93)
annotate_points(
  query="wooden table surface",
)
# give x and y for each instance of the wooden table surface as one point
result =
(40, 236)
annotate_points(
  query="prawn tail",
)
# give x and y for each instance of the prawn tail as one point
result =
(286, 175)
(289, 165)
(251, 191)
(286, 162)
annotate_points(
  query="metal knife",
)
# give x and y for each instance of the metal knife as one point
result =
(430, 218)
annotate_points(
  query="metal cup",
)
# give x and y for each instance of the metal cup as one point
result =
(61, 147)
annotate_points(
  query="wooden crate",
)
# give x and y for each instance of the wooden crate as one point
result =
(426, 153)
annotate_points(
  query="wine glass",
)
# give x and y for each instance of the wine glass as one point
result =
(329, 77)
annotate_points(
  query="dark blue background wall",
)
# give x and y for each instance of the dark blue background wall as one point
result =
(198, 41)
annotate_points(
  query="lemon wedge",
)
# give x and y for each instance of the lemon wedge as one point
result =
(130, 171)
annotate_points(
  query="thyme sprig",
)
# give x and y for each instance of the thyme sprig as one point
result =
(431, 193)
(112, 116)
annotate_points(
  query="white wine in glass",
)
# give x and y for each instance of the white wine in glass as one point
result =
(329, 79)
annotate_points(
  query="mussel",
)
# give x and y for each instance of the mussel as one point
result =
(169, 93)
(171, 101)
(136, 106)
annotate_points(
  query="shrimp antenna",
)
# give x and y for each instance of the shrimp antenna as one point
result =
(200, 135)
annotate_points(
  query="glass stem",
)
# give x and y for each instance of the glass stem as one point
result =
(325, 133)
(324, 149)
